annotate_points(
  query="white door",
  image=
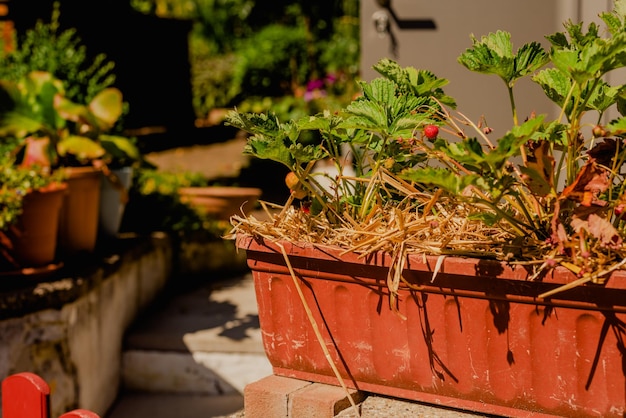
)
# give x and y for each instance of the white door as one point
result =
(431, 35)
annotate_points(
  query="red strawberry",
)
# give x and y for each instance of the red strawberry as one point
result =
(431, 131)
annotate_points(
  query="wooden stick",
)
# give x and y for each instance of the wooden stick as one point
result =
(320, 339)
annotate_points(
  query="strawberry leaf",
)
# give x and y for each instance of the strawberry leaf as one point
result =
(615, 20)
(555, 84)
(421, 83)
(493, 54)
(441, 178)
(617, 127)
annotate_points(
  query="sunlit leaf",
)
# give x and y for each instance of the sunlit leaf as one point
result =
(493, 54)
(83, 148)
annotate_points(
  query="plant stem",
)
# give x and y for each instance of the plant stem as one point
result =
(519, 226)
(512, 100)
(515, 120)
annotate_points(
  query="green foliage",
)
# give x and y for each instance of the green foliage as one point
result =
(28, 106)
(15, 183)
(341, 52)
(120, 151)
(154, 204)
(271, 49)
(418, 83)
(493, 54)
(44, 48)
(508, 191)
(580, 59)
(271, 62)
(387, 111)
(211, 80)
(222, 22)
(36, 107)
(372, 125)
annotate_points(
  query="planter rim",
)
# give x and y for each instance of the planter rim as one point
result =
(451, 264)
(77, 172)
(221, 191)
(53, 187)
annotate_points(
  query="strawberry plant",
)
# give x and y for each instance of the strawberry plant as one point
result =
(424, 178)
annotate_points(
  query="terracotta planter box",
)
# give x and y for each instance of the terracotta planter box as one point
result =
(221, 202)
(476, 337)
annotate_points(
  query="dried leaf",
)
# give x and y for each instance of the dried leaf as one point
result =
(604, 152)
(590, 182)
(604, 231)
(539, 169)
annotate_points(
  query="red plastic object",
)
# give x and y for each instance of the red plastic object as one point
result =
(475, 337)
(80, 413)
(25, 395)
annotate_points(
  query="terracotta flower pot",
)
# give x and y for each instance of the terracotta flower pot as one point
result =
(78, 229)
(34, 239)
(475, 336)
(220, 202)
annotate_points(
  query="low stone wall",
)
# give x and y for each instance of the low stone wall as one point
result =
(69, 330)
(202, 255)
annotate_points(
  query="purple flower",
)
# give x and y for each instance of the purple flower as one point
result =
(315, 85)
(330, 78)
(314, 94)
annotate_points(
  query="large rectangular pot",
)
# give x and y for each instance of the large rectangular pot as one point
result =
(475, 337)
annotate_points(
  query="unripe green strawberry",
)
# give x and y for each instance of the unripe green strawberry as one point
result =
(292, 181)
(599, 131)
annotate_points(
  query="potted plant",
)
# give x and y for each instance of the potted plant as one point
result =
(452, 267)
(210, 200)
(217, 201)
(30, 206)
(121, 159)
(99, 166)
(64, 135)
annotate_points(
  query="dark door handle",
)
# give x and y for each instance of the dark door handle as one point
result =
(402, 23)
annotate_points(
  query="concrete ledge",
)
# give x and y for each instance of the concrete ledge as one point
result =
(199, 253)
(24, 294)
(69, 329)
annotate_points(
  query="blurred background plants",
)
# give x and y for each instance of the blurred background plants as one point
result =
(62, 53)
(290, 56)
(154, 204)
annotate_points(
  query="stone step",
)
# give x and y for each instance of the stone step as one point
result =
(219, 315)
(204, 373)
(200, 345)
(175, 405)
(200, 340)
